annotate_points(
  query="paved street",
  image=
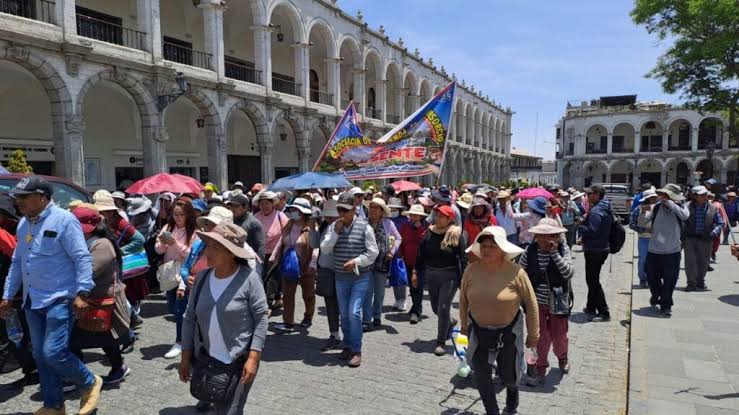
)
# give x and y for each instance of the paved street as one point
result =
(399, 374)
(689, 364)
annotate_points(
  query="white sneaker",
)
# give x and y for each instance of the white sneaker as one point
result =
(175, 351)
(399, 305)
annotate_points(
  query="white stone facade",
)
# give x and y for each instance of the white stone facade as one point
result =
(643, 142)
(81, 81)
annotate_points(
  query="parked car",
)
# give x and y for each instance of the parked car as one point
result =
(620, 196)
(64, 190)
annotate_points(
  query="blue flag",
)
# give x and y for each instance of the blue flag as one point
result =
(345, 144)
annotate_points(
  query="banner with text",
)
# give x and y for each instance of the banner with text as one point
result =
(415, 147)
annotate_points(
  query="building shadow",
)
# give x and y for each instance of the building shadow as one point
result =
(648, 311)
(732, 299)
(154, 352)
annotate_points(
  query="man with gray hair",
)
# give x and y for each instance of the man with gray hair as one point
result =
(703, 225)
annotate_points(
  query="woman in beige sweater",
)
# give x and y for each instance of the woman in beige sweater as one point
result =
(493, 290)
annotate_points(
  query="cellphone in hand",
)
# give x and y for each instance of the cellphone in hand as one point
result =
(166, 235)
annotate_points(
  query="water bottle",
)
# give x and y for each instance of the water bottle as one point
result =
(14, 328)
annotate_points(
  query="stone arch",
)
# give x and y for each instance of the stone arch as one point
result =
(321, 126)
(354, 48)
(379, 65)
(141, 96)
(678, 170)
(246, 168)
(293, 16)
(255, 115)
(330, 36)
(258, 12)
(63, 118)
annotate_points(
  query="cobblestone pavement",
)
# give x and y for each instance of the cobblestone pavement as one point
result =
(689, 364)
(399, 374)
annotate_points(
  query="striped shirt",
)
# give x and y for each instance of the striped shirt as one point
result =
(562, 262)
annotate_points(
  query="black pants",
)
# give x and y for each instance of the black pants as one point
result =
(662, 273)
(596, 297)
(82, 339)
(416, 293)
(506, 362)
(442, 285)
(332, 312)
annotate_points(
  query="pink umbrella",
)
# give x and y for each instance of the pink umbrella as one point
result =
(533, 193)
(405, 186)
(164, 182)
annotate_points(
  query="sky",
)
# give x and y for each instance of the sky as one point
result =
(531, 55)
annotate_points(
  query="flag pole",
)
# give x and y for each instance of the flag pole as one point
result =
(446, 140)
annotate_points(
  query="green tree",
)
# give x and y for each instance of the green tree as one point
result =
(17, 163)
(702, 64)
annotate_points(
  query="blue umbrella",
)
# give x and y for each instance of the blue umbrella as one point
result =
(310, 180)
(3, 170)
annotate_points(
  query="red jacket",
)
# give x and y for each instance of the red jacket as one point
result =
(412, 237)
(473, 230)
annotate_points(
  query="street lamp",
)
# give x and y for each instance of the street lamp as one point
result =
(182, 85)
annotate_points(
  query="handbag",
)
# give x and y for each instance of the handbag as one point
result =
(212, 380)
(325, 283)
(168, 275)
(133, 264)
(98, 317)
(398, 273)
(560, 301)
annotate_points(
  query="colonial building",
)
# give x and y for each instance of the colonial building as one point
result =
(619, 140)
(90, 89)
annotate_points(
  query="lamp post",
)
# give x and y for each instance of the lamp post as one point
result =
(182, 84)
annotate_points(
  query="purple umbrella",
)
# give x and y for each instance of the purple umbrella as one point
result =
(533, 193)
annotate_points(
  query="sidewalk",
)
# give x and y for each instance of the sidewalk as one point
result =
(689, 364)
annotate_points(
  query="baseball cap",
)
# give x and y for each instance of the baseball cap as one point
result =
(446, 211)
(32, 184)
(238, 184)
(700, 190)
(238, 199)
(346, 201)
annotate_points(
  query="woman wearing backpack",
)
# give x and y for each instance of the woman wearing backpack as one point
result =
(296, 261)
(548, 263)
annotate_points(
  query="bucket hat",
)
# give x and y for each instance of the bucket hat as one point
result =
(465, 201)
(138, 205)
(89, 218)
(415, 210)
(104, 201)
(538, 205)
(230, 236)
(547, 226)
(673, 192)
(395, 203)
(216, 216)
(302, 205)
(499, 235)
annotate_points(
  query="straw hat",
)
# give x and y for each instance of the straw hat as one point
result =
(499, 235)
(104, 201)
(504, 194)
(547, 226)
(415, 210)
(230, 236)
(266, 195)
(577, 195)
(216, 216)
(381, 203)
(395, 203)
(465, 200)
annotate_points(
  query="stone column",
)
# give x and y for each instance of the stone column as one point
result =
(478, 168)
(302, 142)
(302, 69)
(149, 22)
(69, 150)
(609, 144)
(637, 143)
(665, 141)
(66, 18)
(725, 141)
(213, 35)
(694, 140)
(400, 103)
(263, 54)
(218, 161)
(155, 150)
(380, 98)
(334, 80)
(265, 151)
(360, 92)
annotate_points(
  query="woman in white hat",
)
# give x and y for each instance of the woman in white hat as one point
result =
(412, 234)
(548, 264)
(492, 293)
(388, 242)
(641, 223)
(295, 241)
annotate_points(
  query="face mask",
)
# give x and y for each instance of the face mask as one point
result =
(295, 215)
(394, 214)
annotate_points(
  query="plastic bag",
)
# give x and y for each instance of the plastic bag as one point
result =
(398, 274)
(290, 265)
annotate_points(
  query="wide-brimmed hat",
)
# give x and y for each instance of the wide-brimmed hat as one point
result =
(395, 203)
(303, 205)
(649, 193)
(230, 236)
(577, 195)
(118, 195)
(547, 226)
(426, 201)
(138, 205)
(104, 201)
(443, 194)
(465, 200)
(266, 195)
(673, 192)
(216, 216)
(381, 203)
(89, 218)
(415, 210)
(480, 202)
(356, 191)
(329, 209)
(538, 205)
(504, 194)
(499, 235)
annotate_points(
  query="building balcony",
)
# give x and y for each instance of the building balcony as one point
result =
(374, 113)
(186, 56)
(652, 149)
(241, 72)
(685, 147)
(392, 119)
(622, 150)
(103, 31)
(43, 10)
(595, 151)
(322, 97)
(285, 86)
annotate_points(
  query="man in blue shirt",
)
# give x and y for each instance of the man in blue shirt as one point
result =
(53, 266)
(703, 225)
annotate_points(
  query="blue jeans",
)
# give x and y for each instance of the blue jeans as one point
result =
(351, 292)
(177, 308)
(51, 330)
(643, 251)
(376, 291)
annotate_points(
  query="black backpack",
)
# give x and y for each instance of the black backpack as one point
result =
(617, 236)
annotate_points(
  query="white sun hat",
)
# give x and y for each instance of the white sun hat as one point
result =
(499, 235)
(216, 215)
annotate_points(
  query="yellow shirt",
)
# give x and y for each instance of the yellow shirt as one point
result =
(493, 296)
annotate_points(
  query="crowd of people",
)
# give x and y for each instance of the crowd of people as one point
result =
(227, 261)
